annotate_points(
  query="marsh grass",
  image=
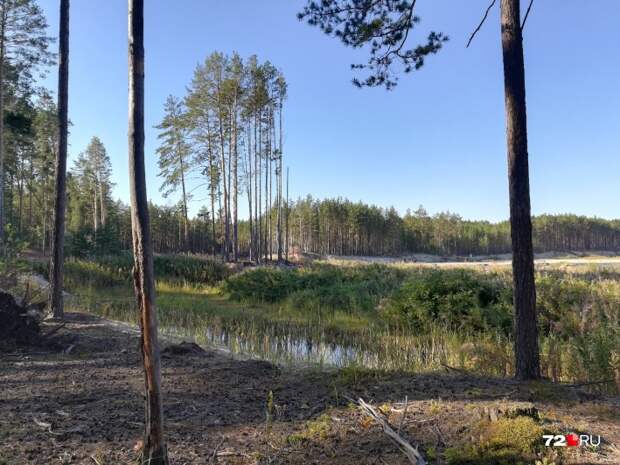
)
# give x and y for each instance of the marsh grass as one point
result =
(373, 316)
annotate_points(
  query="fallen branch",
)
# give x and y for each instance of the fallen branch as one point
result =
(213, 458)
(411, 452)
(47, 426)
(404, 415)
(458, 370)
(53, 331)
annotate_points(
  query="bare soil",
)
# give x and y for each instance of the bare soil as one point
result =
(85, 407)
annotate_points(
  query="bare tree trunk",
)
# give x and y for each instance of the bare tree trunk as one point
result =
(266, 216)
(154, 448)
(279, 179)
(102, 206)
(235, 161)
(213, 233)
(249, 189)
(2, 58)
(524, 290)
(225, 188)
(185, 215)
(256, 199)
(56, 303)
(260, 189)
(287, 216)
(271, 143)
(20, 196)
(95, 208)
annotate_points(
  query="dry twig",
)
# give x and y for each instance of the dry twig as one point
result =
(411, 452)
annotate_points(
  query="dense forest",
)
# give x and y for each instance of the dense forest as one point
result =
(99, 224)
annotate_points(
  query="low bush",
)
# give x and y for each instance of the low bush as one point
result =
(456, 299)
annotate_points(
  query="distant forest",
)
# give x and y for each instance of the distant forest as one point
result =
(228, 131)
(98, 224)
(331, 226)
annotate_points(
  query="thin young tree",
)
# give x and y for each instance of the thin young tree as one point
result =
(384, 26)
(154, 448)
(57, 264)
(174, 157)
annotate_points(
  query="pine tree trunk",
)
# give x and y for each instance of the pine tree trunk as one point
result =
(279, 180)
(213, 233)
(95, 208)
(249, 190)
(102, 207)
(224, 187)
(235, 187)
(57, 264)
(2, 65)
(185, 215)
(256, 199)
(287, 218)
(154, 448)
(260, 190)
(524, 290)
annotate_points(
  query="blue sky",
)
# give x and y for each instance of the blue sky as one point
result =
(438, 139)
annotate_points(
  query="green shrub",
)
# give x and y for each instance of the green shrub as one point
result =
(262, 285)
(193, 270)
(457, 299)
(113, 270)
(317, 287)
(349, 298)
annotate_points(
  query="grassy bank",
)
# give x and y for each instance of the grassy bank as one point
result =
(376, 316)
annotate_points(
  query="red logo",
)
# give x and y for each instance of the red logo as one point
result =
(572, 440)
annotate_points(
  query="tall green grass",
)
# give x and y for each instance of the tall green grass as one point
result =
(372, 315)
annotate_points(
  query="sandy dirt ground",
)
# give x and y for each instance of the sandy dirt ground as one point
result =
(543, 259)
(85, 407)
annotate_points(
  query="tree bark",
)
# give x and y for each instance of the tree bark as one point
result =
(154, 448)
(235, 169)
(524, 290)
(186, 244)
(287, 219)
(57, 263)
(279, 180)
(2, 59)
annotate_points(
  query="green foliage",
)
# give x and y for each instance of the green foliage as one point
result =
(262, 285)
(86, 243)
(507, 441)
(115, 270)
(316, 429)
(381, 26)
(190, 269)
(457, 299)
(317, 286)
(382, 317)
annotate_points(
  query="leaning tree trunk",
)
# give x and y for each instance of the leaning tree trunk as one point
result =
(154, 448)
(524, 290)
(57, 265)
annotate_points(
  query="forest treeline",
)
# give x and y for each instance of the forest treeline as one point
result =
(331, 226)
(221, 145)
(99, 224)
